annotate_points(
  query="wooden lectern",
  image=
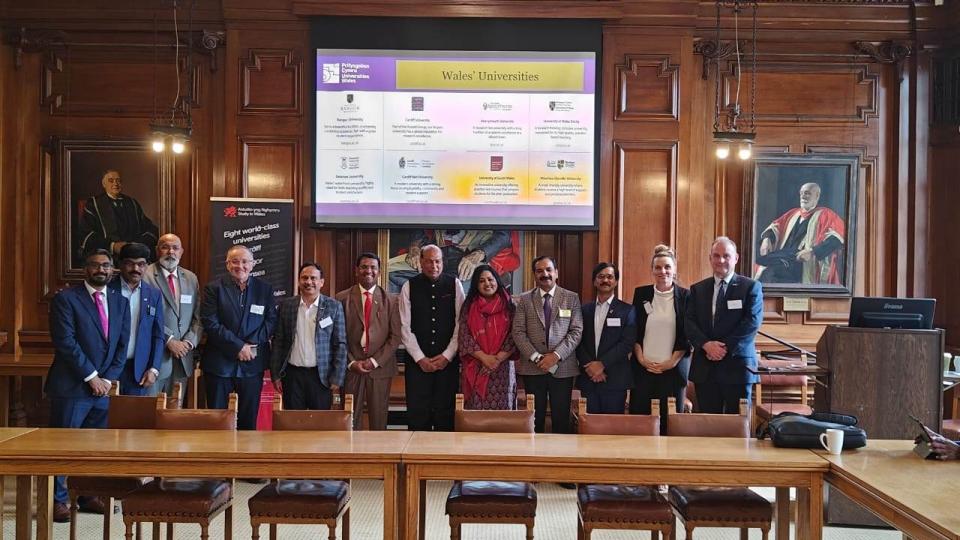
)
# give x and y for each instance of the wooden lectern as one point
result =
(881, 376)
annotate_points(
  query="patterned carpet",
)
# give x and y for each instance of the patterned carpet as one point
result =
(556, 520)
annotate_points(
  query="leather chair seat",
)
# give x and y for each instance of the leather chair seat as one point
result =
(951, 429)
(720, 504)
(488, 498)
(105, 486)
(621, 504)
(186, 497)
(317, 499)
(769, 410)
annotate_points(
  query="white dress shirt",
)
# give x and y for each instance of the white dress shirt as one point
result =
(660, 332)
(304, 350)
(133, 296)
(599, 319)
(716, 289)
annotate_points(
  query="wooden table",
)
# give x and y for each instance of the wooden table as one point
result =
(7, 433)
(917, 496)
(210, 454)
(601, 458)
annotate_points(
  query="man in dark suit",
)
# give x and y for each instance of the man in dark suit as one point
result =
(89, 327)
(547, 328)
(145, 349)
(238, 316)
(182, 328)
(723, 315)
(429, 312)
(373, 335)
(309, 357)
(609, 332)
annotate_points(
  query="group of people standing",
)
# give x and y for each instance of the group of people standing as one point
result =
(142, 328)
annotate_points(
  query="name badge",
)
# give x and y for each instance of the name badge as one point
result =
(186, 298)
(565, 313)
(152, 311)
(325, 322)
(615, 321)
(734, 304)
(256, 310)
(647, 307)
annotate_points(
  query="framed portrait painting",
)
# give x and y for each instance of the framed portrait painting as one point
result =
(104, 193)
(802, 214)
(506, 251)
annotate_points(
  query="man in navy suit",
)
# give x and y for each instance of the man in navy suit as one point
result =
(723, 315)
(89, 327)
(609, 332)
(238, 316)
(309, 360)
(144, 352)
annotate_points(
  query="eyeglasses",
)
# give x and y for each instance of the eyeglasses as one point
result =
(102, 266)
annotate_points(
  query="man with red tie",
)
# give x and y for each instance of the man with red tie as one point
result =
(182, 328)
(373, 335)
(89, 327)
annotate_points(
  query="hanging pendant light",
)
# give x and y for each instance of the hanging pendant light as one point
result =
(727, 133)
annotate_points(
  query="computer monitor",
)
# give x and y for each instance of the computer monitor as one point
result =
(880, 312)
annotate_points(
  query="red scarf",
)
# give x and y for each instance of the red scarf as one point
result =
(488, 321)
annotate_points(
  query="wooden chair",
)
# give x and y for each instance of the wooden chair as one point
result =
(621, 507)
(473, 501)
(185, 500)
(717, 506)
(780, 382)
(951, 427)
(322, 502)
(124, 412)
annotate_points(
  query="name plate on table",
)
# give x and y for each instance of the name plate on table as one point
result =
(796, 303)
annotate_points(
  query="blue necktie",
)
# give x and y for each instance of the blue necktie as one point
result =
(721, 293)
(547, 314)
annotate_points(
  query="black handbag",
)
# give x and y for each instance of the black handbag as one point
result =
(792, 430)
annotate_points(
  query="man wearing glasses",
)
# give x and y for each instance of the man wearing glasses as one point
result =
(145, 348)
(90, 328)
(238, 317)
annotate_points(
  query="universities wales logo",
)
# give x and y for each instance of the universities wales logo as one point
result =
(331, 73)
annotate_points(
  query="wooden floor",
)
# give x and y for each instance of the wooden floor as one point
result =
(556, 520)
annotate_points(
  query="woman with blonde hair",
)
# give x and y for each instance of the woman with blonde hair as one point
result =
(661, 353)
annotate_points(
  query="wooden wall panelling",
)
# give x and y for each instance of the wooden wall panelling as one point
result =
(271, 83)
(270, 166)
(647, 182)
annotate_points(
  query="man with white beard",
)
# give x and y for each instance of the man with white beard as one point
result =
(182, 328)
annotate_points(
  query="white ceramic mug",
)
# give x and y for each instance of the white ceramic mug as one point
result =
(832, 441)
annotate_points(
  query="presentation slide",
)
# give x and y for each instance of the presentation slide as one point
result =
(461, 138)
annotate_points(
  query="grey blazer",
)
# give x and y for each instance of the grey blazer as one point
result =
(565, 331)
(181, 320)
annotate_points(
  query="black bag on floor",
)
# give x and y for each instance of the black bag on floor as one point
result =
(792, 430)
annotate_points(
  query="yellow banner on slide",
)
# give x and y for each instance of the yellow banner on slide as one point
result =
(467, 75)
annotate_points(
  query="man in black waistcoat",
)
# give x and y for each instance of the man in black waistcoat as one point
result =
(429, 312)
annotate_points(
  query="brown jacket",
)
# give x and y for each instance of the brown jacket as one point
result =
(384, 329)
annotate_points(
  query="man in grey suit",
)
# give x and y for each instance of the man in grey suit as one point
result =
(182, 327)
(546, 329)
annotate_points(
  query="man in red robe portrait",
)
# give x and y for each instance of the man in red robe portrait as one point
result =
(804, 245)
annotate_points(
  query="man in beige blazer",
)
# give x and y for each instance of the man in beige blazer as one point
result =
(546, 329)
(373, 335)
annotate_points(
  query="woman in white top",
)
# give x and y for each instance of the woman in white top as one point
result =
(661, 353)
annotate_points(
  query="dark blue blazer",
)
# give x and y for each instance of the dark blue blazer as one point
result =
(737, 328)
(616, 344)
(79, 344)
(228, 327)
(150, 340)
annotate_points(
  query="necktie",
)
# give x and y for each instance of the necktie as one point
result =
(367, 310)
(547, 315)
(173, 287)
(103, 313)
(721, 293)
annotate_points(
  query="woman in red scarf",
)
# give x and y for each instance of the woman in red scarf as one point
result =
(487, 376)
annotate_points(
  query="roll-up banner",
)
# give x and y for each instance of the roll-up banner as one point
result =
(265, 227)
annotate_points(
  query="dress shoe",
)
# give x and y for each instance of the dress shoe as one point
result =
(93, 505)
(61, 513)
